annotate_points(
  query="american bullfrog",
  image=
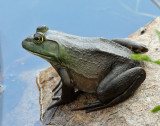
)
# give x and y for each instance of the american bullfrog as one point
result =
(89, 64)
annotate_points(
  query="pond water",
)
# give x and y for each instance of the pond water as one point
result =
(20, 18)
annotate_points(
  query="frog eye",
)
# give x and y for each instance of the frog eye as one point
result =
(38, 38)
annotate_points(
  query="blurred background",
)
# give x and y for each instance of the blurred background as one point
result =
(20, 18)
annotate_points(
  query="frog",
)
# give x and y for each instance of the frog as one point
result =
(89, 64)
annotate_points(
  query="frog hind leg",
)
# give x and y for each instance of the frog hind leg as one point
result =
(120, 88)
(113, 91)
(133, 46)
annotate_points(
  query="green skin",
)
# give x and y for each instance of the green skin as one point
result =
(93, 65)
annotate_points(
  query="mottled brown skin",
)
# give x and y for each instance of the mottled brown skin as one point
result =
(93, 65)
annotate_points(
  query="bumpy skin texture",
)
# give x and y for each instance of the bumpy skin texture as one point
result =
(88, 64)
(89, 60)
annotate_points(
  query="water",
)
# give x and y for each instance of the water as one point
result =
(20, 18)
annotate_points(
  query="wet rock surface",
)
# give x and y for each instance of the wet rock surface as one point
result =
(135, 111)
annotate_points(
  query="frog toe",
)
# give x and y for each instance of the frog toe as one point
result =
(91, 103)
(56, 98)
(135, 47)
(59, 102)
(48, 114)
(57, 86)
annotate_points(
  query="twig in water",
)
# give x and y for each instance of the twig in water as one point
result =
(156, 2)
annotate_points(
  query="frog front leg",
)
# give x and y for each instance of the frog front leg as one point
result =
(68, 92)
(116, 87)
(133, 46)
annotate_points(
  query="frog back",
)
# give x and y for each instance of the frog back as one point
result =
(94, 44)
(86, 55)
(89, 60)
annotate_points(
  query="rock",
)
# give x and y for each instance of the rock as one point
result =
(1, 89)
(135, 111)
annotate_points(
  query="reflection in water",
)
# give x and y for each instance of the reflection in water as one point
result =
(1, 87)
(136, 10)
(1, 96)
(27, 111)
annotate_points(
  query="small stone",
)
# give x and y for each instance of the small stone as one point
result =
(1, 89)
(156, 49)
(143, 30)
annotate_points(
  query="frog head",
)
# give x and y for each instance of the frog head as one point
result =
(38, 44)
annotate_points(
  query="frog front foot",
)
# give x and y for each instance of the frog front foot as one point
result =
(57, 86)
(66, 97)
(115, 89)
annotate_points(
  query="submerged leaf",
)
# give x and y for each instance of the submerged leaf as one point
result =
(156, 109)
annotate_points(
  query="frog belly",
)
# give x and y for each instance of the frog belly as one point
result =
(83, 83)
(89, 86)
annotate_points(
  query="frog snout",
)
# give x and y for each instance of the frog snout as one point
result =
(26, 41)
(29, 38)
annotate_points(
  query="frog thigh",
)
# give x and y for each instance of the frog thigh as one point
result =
(121, 87)
(133, 46)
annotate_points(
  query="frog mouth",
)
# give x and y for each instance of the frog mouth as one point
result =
(37, 54)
